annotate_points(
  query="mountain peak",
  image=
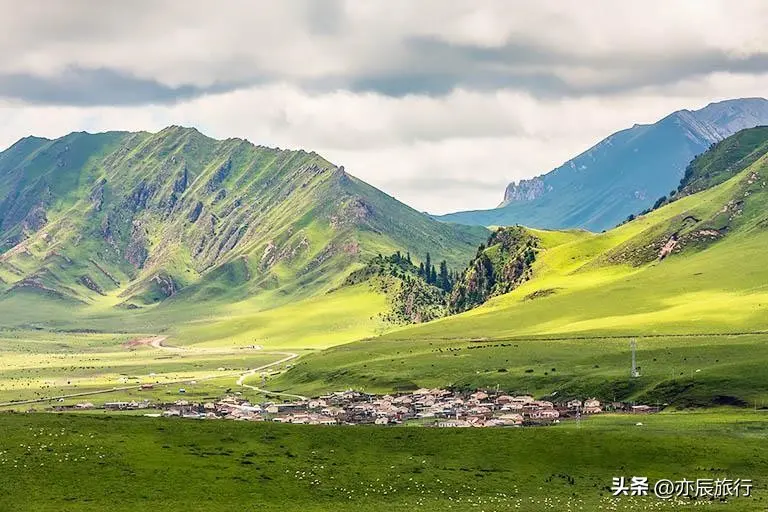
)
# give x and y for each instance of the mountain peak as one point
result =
(176, 212)
(621, 175)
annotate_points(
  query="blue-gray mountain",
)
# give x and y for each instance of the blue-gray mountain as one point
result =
(622, 175)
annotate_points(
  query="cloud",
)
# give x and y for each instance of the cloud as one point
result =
(438, 102)
(87, 87)
(164, 50)
(439, 67)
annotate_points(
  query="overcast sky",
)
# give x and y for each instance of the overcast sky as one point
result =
(439, 103)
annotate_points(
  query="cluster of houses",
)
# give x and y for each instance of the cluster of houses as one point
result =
(430, 407)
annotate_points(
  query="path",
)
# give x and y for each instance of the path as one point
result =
(289, 357)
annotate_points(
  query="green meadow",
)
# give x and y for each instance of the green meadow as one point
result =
(700, 318)
(91, 463)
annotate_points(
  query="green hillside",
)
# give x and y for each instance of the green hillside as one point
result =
(687, 280)
(115, 225)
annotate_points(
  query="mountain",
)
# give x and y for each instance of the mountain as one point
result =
(621, 175)
(135, 219)
(686, 281)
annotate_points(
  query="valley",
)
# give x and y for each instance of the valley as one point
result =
(537, 312)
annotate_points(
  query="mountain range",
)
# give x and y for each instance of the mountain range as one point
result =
(136, 219)
(622, 175)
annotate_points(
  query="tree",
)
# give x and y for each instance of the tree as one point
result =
(432, 276)
(422, 273)
(428, 266)
(408, 258)
(444, 280)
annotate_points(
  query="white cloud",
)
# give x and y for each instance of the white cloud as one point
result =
(487, 91)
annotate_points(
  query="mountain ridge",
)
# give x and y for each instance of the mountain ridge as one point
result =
(621, 175)
(140, 217)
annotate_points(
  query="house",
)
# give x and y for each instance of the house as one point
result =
(453, 424)
(115, 406)
(382, 421)
(317, 404)
(85, 405)
(525, 399)
(511, 419)
(592, 407)
(574, 404)
(544, 414)
(641, 409)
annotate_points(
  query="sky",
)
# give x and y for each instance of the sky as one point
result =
(439, 103)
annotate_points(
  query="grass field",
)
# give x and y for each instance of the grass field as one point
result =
(700, 317)
(38, 365)
(50, 463)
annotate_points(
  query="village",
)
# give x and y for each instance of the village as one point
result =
(428, 407)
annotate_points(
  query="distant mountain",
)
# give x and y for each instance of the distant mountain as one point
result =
(135, 219)
(622, 175)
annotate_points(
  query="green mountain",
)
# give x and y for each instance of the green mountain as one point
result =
(622, 175)
(687, 281)
(130, 220)
(500, 266)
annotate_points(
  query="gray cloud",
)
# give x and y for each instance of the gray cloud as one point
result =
(173, 50)
(436, 67)
(83, 87)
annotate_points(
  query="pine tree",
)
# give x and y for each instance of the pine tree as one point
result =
(421, 270)
(444, 280)
(408, 258)
(432, 276)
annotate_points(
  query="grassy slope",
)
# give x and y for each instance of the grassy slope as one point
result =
(597, 287)
(107, 188)
(224, 221)
(227, 466)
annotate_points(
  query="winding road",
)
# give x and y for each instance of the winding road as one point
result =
(288, 357)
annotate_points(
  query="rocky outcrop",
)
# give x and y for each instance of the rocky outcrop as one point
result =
(97, 195)
(165, 284)
(353, 212)
(195, 213)
(219, 176)
(136, 252)
(524, 190)
(182, 182)
(89, 283)
(140, 196)
(35, 219)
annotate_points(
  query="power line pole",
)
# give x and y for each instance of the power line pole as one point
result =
(633, 346)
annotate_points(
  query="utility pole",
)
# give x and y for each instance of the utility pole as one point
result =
(633, 345)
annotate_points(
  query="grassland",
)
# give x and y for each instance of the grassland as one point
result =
(86, 463)
(700, 316)
(39, 367)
